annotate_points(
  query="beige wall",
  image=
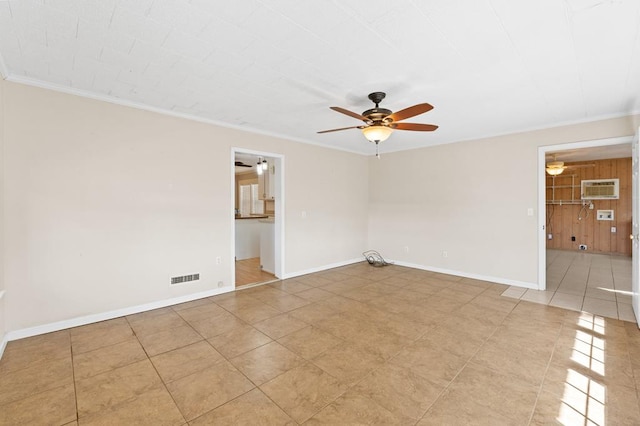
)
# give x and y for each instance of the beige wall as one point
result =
(104, 203)
(469, 199)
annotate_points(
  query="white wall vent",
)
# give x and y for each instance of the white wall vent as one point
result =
(184, 279)
(600, 189)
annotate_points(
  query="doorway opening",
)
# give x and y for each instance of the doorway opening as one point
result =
(257, 242)
(584, 260)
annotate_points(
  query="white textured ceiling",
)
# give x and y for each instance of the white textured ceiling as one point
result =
(489, 67)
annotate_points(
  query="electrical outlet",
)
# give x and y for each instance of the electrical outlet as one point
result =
(445, 254)
(406, 249)
(614, 230)
(573, 238)
(218, 260)
(550, 236)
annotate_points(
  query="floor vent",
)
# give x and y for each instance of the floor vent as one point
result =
(185, 279)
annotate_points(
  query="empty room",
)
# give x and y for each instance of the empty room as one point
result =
(319, 212)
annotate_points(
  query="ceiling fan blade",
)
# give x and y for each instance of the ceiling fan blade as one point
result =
(241, 164)
(578, 166)
(412, 111)
(414, 126)
(350, 113)
(343, 128)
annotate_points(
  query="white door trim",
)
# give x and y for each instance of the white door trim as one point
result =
(542, 206)
(279, 208)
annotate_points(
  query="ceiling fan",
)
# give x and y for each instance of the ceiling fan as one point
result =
(379, 123)
(555, 167)
(241, 164)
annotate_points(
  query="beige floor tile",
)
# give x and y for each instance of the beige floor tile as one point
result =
(252, 408)
(123, 384)
(184, 361)
(107, 358)
(266, 362)
(214, 326)
(567, 301)
(303, 391)
(464, 342)
(238, 341)
(607, 308)
(483, 396)
(168, 340)
(315, 294)
(313, 313)
(201, 311)
(157, 323)
(309, 342)
(314, 280)
(56, 406)
(256, 312)
(154, 407)
(625, 312)
(290, 286)
(280, 325)
(437, 366)
(527, 363)
(37, 378)
(27, 352)
(538, 296)
(348, 363)
(514, 292)
(207, 389)
(353, 408)
(192, 304)
(287, 302)
(399, 390)
(93, 336)
(444, 304)
(502, 305)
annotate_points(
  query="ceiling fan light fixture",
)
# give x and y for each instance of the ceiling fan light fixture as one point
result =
(259, 167)
(554, 171)
(554, 168)
(377, 133)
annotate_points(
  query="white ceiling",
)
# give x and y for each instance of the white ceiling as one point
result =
(489, 67)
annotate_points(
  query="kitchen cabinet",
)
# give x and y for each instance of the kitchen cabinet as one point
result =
(266, 185)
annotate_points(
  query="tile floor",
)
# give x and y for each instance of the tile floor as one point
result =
(353, 345)
(595, 283)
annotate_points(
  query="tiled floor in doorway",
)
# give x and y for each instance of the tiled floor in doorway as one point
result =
(595, 283)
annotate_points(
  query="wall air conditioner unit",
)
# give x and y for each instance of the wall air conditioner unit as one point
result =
(600, 189)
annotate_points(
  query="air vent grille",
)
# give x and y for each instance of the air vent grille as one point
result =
(184, 279)
(600, 189)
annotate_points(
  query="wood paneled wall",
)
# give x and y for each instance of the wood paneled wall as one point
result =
(567, 220)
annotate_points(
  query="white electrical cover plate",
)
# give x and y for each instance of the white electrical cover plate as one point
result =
(604, 215)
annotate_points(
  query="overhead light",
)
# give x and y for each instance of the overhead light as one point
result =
(264, 165)
(259, 167)
(377, 133)
(555, 168)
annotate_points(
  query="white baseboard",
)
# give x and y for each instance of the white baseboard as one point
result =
(498, 280)
(322, 268)
(88, 319)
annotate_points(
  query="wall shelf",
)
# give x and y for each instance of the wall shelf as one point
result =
(554, 187)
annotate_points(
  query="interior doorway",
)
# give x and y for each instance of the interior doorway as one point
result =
(257, 200)
(585, 256)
